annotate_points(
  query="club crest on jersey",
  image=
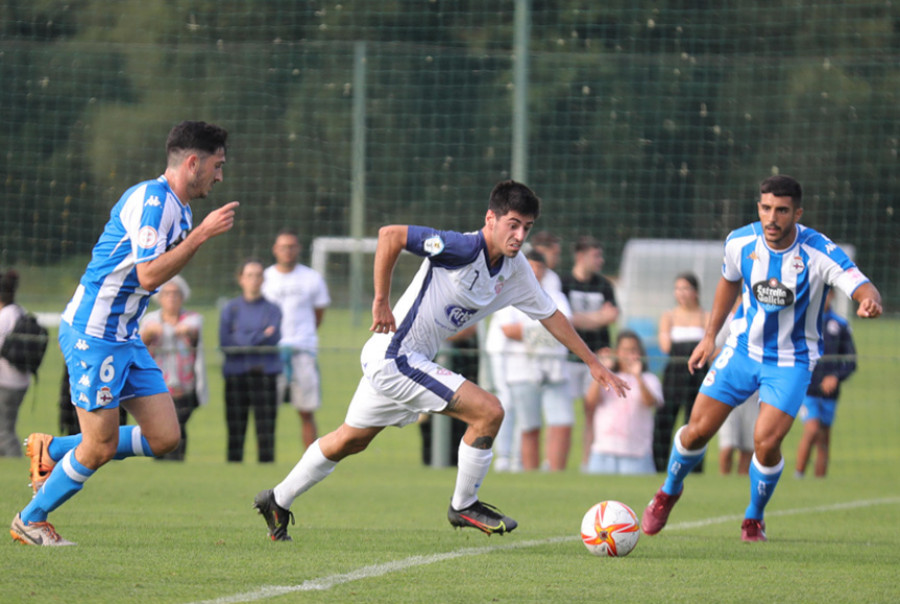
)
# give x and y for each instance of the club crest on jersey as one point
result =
(798, 265)
(104, 396)
(458, 315)
(710, 378)
(147, 237)
(499, 286)
(773, 295)
(434, 245)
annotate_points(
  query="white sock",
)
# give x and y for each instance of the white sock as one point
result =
(472, 467)
(312, 469)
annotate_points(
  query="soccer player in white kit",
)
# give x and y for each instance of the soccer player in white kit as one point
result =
(464, 278)
(783, 271)
(147, 241)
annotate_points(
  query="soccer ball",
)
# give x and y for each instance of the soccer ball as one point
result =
(610, 528)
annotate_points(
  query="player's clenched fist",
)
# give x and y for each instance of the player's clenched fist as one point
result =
(219, 220)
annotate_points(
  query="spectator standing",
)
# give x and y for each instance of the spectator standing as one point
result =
(623, 427)
(680, 330)
(301, 294)
(173, 336)
(593, 302)
(824, 388)
(13, 381)
(538, 378)
(249, 331)
(549, 246)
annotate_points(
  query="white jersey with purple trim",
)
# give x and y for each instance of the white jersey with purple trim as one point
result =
(779, 321)
(455, 287)
(109, 301)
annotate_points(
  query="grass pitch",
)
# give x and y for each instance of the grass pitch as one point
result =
(376, 530)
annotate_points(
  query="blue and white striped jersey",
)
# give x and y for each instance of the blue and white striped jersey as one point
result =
(109, 301)
(779, 321)
(455, 287)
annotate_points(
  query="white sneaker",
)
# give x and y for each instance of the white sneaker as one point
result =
(36, 533)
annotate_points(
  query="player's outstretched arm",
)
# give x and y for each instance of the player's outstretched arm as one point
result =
(869, 299)
(391, 241)
(558, 325)
(153, 273)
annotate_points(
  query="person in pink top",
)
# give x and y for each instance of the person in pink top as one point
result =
(623, 427)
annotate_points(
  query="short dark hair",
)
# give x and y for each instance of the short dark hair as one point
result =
(245, 262)
(782, 185)
(9, 283)
(535, 256)
(511, 196)
(197, 136)
(586, 242)
(544, 239)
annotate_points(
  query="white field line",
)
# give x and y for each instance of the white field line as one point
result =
(378, 570)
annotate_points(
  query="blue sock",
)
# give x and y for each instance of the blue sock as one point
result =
(60, 445)
(681, 462)
(132, 443)
(66, 479)
(762, 485)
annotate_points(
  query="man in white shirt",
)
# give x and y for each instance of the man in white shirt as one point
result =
(463, 278)
(302, 295)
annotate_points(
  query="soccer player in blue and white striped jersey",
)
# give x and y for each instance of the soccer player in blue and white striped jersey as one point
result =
(146, 242)
(782, 271)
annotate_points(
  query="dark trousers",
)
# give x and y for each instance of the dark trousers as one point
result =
(679, 391)
(257, 391)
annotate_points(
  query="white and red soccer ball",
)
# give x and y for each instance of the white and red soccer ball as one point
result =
(610, 528)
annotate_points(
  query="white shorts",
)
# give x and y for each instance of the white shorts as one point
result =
(393, 392)
(550, 400)
(305, 385)
(737, 431)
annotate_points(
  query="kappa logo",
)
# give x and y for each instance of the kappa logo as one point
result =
(152, 201)
(81, 345)
(458, 315)
(104, 396)
(85, 381)
(82, 398)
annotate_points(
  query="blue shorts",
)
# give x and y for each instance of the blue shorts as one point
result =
(734, 376)
(102, 373)
(819, 409)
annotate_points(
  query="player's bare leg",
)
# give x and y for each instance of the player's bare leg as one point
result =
(483, 413)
